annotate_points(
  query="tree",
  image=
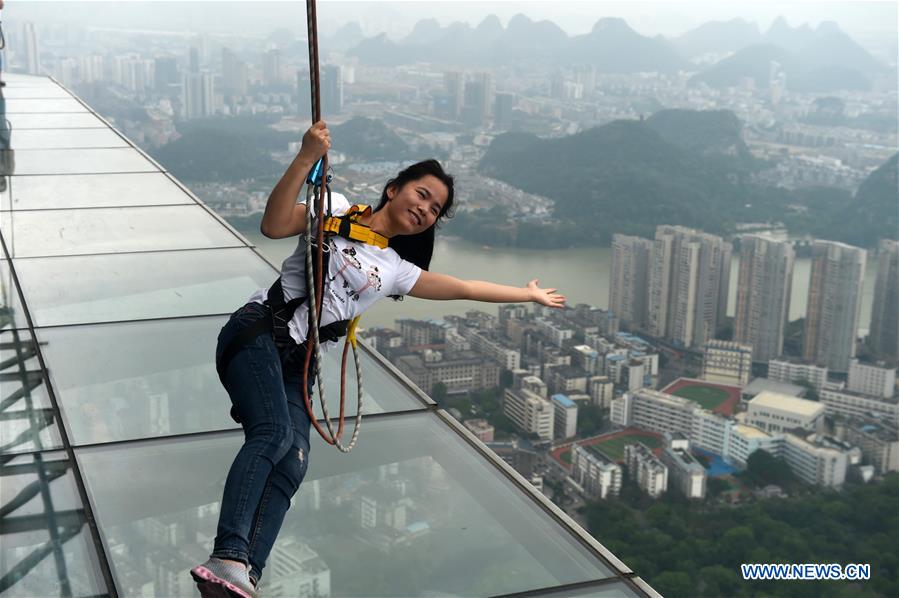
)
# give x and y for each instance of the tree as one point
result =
(673, 584)
(438, 392)
(589, 420)
(763, 468)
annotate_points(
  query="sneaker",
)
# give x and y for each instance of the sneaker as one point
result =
(220, 579)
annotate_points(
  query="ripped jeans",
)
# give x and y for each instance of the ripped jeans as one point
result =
(272, 462)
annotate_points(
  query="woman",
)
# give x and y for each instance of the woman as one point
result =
(264, 385)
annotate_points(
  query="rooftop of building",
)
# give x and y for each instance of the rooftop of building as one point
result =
(563, 400)
(747, 431)
(782, 402)
(760, 385)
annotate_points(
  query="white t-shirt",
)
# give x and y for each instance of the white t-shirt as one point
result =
(358, 275)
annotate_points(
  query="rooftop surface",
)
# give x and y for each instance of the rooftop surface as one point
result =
(773, 400)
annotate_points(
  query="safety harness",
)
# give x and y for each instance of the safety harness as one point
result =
(281, 312)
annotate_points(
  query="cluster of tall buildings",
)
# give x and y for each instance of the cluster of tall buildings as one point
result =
(675, 287)
(468, 98)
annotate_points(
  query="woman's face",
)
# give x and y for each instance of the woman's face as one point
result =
(417, 204)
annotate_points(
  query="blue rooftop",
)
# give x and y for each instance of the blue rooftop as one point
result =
(563, 400)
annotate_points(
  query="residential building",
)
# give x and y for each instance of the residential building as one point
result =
(480, 428)
(601, 391)
(883, 338)
(872, 380)
(332, 88)
(586, 358)
(685, 473)
(565, 410)
(688, 285)
(596, 474)
(784, 370)
(763, 295)
(235, 75)
(834, 303)
(877, 438)
(462, 373)
(814, 462)
(646, 469)
(629, 283)
(530, 412)
(198, 95)
(851, 404)
(727, 362)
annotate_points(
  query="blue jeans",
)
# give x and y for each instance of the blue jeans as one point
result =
(272, 462)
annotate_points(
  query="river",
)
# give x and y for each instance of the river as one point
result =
(582, 275)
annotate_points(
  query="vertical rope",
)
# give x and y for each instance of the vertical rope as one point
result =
(315, 287)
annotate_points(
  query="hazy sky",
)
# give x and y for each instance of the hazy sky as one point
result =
(872, 23)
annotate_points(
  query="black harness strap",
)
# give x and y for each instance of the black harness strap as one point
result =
(280, 312)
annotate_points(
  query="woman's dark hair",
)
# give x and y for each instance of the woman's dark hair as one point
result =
(419, 248)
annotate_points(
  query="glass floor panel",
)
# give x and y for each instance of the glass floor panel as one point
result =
(413, 510)
(46, 547)
(92, 191)
(112, 230)
(80, 161)
(136, 286)
(66, 138)
(147, 379)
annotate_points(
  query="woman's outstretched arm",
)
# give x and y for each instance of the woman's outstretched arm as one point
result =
(432, 285)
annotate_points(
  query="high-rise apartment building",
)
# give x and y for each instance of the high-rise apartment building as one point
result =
(883, 337)
(271, 67)
(688, 285)
(198, 99)
(454, 82)
(834, 302)
(763, 295)
(629, 284)
(332, 88)
(166, 72)
(235, 78)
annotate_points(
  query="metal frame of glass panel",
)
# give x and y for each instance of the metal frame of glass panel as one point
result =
(622, 577)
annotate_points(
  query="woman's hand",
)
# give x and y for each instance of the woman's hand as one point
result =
(316, 142)
(547, 297)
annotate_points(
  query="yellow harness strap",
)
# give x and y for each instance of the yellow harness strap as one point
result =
(348, 226)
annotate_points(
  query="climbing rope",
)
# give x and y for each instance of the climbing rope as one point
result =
(315, 190)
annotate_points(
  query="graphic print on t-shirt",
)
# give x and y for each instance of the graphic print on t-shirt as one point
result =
(353, 277)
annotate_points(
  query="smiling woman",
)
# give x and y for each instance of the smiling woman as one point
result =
(261, 365)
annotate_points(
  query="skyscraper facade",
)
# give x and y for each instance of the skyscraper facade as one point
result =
(834, 302)
(235, 78)
(198, 95)
(629, 285)
(332, 89)
(688, 285)
(271, 67)
(883, 338)
(763, 295)
(454, 82)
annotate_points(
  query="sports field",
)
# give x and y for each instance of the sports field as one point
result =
(707, 397)
(719, 398)
(613, 448)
